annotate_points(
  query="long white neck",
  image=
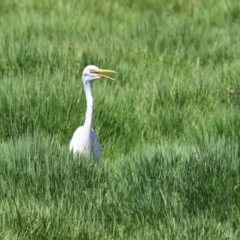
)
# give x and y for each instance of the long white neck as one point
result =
(89, 111)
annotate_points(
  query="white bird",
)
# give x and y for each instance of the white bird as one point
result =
(84, 140)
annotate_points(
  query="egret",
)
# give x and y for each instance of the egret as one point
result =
(84, 140)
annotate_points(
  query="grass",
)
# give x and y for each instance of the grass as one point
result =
(168, 127)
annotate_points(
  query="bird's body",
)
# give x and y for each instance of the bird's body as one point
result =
(84, 140)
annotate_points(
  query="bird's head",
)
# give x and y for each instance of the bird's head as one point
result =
(91, 73)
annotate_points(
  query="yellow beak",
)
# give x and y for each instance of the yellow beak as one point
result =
(100, 71)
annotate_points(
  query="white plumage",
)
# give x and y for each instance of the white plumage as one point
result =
(84, 139)
(86, 144)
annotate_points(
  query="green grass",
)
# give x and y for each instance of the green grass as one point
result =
(169, 127)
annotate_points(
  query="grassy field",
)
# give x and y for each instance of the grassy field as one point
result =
(169, 126)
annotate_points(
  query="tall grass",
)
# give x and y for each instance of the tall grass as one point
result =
(168, 127)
